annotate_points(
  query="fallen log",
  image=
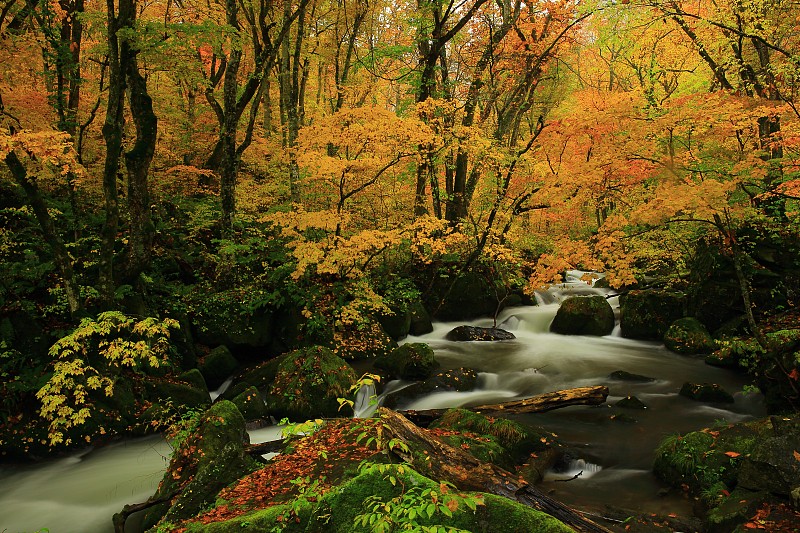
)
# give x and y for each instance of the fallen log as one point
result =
(444, 462)
(535, 404)
(119, 519)
(270, 446)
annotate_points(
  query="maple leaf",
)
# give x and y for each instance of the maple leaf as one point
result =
(732, 454)
(796, 455)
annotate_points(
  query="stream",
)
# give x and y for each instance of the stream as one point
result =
(612, 458)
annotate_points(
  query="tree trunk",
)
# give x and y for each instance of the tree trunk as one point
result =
(138, 158)
(112, 134)
(536, 404)
(444, 462)
(228, 166)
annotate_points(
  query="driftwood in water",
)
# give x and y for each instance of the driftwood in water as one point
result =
(121, 517)
(535, 404)
(260, 448)
(444, 462)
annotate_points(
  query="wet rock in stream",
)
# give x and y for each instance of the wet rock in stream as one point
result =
(475, 333)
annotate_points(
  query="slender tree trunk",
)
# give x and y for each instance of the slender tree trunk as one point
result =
(228, 168)
(112, 134)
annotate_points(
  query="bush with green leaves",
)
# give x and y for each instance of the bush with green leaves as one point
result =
(89, 361)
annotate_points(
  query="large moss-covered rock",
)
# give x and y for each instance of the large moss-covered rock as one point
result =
(251, 404)
(688, 336)
(584, 315)
(420, 319)
(773, 464)
(307, 383)
(218, 366)
(647, 314)
(362, 341)
(182, 395)
(209, 457)
(412, 361)
(339, 508)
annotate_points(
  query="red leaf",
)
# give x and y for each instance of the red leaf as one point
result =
(732, 454)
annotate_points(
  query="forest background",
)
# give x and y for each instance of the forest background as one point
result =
(336, 160)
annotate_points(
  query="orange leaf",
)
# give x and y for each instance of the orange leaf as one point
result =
(732, 454)
(796, 455)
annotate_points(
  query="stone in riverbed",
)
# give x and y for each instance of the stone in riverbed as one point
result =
(631, 402)
(706, 392)
(688, 336)
(413, 361)
(584, 315)
(474, 333)
(217, 366)
(622, 375)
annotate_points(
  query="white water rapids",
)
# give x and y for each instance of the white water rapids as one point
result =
(81, 493)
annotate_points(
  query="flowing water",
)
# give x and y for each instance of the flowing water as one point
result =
(612, 458)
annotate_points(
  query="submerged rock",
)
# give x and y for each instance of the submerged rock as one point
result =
(475, 333)
(631, 402)
(622, 375)
(774, 463)
(688, 336)
(412, 361)
(706, 392)
(584, 315)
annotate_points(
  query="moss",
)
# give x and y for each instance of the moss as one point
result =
(688, 336)
(251, 404)
(307, 384)
(339, 508)
(413, 361)
(515, 437)
(289, 518)
(648, 314)
(584, 315)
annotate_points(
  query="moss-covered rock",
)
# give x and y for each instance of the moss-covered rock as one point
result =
(706, 392)
(708, 461)
(469, 296)
(420, 319)
(734, 510)
(455, 379)
(773, 464)
(584, 315)
(251, 404)
(647, 314)
(519, 440)
(688, 336)
(194, 378)
(412, 361)
(341, 509)
(622, 375)
(218, 366)
(363, 341)
(398, 324)
(209, 456)
(307, 383)
(182, 395)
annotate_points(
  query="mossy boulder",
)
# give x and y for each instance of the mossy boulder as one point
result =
(455, 379)
(708, 461)
(339, 508)
(734, 510)
(208, 457)
(251, 404)
(397, 324)
(357, 342)
(412, 361)
(420, 319)
(307, 383)
(584, 315)
(218, 366)
(688, 336)
(647, 314)
(706, 392)
(475, 333)
(520, 441)
(182, 395)
(773, 464)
